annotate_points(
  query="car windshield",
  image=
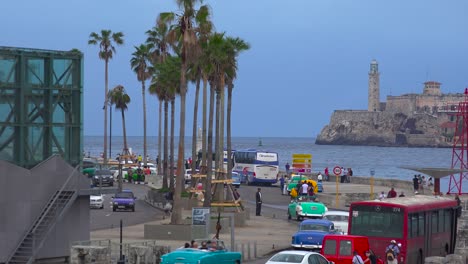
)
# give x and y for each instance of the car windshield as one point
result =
(314, 227)
(103, 172)
(289, 258)
(337, 218)
(124, 195)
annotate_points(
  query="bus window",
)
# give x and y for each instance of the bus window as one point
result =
(441, 220)
(448, 219)
(330, 247)
(421, 225)
(413, 226)
(434, 217)
(385, 223)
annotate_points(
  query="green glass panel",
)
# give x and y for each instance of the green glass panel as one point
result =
(7, 70)
(8, 150)
(62, 72)
(35, 72)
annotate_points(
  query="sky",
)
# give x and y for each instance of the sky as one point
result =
(307, 57)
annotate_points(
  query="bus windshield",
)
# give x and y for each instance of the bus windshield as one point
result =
(384, 222)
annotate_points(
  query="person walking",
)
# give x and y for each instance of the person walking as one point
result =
(371, 258)
(392, 251)
(282, 184)
(258, 200)
(287, 166)
(415, 184)
(327, 174)
(357, 259)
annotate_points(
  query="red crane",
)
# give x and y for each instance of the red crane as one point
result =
(460, 148)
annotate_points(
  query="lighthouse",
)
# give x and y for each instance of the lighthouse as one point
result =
(374, 87)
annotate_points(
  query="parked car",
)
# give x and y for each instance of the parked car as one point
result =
(103, 177)
(89, 167)
(340, 248)
(311, 233)
(188, 175)
(124, 200)
(236, 179)
(96, 201)
(302, 207)
(202, 256)
(298, 257)
(340, 219)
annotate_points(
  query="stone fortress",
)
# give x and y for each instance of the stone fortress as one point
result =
(410, 120)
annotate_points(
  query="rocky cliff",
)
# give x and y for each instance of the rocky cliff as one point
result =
(381, 129)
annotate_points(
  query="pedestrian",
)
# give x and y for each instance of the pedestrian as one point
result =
(382, 196)
(319, 177)
(327, 175)
(402, 194)
(392, 193)
(285, 187)
(194, 244)
(422, 182)
(304, 189)
(281, 184)
(459, 207)
(140, 159)
(258, 200)
(357, 259)
(287, 167)
(415, 184)
(349, 175)
(236, 194)
(371, 258)
(391, 252)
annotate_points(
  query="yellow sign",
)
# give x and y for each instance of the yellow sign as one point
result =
(302, 156)
(308, 161)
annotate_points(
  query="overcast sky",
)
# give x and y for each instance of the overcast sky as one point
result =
(307, 57)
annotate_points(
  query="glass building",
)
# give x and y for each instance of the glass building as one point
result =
(41, 94)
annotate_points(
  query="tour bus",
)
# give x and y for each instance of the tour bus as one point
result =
(256, 167)
(424, 225)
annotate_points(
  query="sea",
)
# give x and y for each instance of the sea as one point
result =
(384, 162)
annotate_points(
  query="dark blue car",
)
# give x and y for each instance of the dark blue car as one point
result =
(124, 200)
(311, 233)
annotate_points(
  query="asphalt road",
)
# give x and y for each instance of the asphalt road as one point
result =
(106, 218)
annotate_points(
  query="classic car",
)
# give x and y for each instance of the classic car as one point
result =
(202, 256)
(96, 201)
(304, 207)
(123, 200)
(298, 257)
(295, 179)
(311, 233)
(340, 219)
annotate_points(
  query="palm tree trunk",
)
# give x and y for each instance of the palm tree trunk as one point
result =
(228, 132)
(194, 130)
(159, 138)
(166, 155)
(205, 103)
(176, 217)
(217, 132)
(207, 202)
(124, 131)
(221, 123)
(106, 91)
(144, 121)
(171, 157)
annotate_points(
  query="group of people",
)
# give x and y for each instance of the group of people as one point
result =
(420, 183)
(210, 245)
(391, 255)
(391, 194)
(139, 174)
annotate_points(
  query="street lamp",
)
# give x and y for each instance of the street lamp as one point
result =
(108, 102)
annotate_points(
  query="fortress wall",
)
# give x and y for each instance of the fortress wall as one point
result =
(353, 115)
(401, 104)
(422, 140)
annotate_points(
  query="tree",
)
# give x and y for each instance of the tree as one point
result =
(139, 64)
(159, 45)
(120, 99)
(106, 52)
(184, 32)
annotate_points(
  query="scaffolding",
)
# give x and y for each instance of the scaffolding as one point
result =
(460, 148)
(41, 110)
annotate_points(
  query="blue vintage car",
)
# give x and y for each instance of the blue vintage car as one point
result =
(311, 233)
(202, 256)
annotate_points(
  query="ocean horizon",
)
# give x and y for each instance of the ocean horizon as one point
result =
(386, 162)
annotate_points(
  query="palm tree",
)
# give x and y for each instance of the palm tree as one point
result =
(120, 99)
(106, 52)
(159, 45)
(185, 32)
(139, 64)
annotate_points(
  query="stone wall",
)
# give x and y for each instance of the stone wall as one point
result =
(461, 247)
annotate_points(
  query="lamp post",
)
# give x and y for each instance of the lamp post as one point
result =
(110, 130)
(372, 173)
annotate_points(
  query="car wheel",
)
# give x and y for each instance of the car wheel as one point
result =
(113, 209)
(298, 217)
(289, 216)
(112, 184)
(133, 209)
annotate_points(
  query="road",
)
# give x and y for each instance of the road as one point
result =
(106, 218)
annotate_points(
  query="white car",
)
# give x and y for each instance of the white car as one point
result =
(298, 257)
(96, 201)
(188, 175)
(339, 219)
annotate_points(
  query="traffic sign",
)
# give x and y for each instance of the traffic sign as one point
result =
(337, 170)
(302, 156)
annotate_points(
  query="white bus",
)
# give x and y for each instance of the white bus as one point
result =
(256, 166)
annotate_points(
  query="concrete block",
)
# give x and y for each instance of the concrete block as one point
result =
(434, 260)
(90, 254)
(455, 259)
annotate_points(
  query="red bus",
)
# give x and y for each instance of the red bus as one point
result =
(424, 225)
